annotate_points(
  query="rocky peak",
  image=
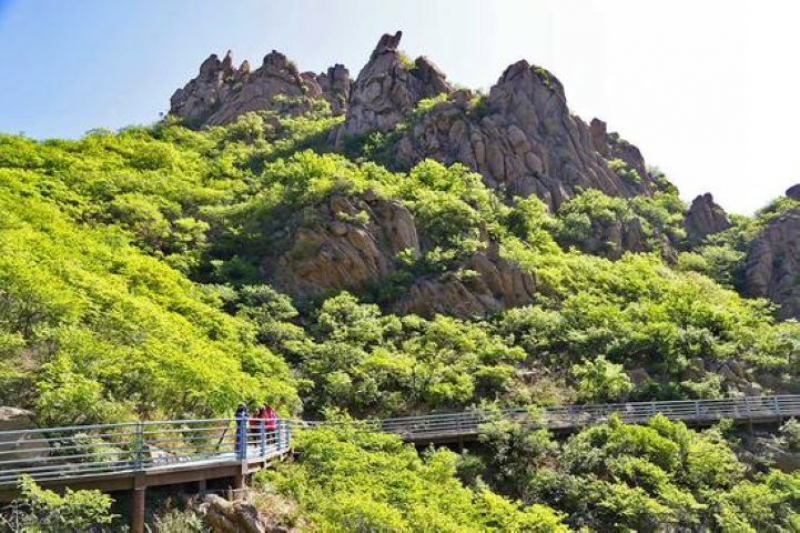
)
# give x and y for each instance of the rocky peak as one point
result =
(336, 85)
(705, 217)
(793, 192)
(221, 92)
(387, 90)
(523, 140)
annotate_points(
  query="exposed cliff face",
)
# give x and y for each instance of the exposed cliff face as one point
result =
(523, 140)
(387, 89)
(353, 244)
(499, 284)
(773, 264)
(221, 92)
(705, 217)
(340, 251)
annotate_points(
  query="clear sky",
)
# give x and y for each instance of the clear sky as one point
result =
(707, 89)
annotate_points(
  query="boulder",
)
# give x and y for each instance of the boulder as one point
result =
(793, 192)
(223, 516)
(704, 218)
(22, 446)
(336, 251)
(486, 283)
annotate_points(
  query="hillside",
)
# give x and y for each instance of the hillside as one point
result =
(388, 245)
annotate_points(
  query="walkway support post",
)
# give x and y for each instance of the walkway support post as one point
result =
(138, 496)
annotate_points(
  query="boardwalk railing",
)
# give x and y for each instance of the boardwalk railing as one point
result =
(81, 452)
(466, 425)
(71, 454)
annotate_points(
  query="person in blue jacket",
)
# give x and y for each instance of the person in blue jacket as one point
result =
(241, 417)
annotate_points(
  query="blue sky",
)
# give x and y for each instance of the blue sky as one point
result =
(708, 90)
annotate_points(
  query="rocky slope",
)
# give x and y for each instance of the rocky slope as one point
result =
(341, 249)
(773, 261)
(522, 139)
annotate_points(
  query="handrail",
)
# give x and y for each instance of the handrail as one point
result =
(564, 417)
(78, 452)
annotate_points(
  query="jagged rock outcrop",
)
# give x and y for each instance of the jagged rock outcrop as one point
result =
(705, 217)
(612, 238)
(223, 516)
(351, 245)
(496, 285)
(387, 89)
(221, 92)
(611, 146)
(523, 140)
(773, 263)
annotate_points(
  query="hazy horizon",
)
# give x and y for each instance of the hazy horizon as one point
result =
(704, 90)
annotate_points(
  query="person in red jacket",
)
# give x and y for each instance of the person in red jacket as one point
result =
(270, 423)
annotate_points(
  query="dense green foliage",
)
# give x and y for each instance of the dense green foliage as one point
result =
(43, 511)
(351, 480)
(618, 477)
(134, 282)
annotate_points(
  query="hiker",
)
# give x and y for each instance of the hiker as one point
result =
(255, 423)
(240, 417)
(270, 423)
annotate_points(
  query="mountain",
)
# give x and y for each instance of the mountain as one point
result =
(395, 245)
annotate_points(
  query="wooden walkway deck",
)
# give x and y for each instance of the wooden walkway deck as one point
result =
(465, 426)
(134, 456)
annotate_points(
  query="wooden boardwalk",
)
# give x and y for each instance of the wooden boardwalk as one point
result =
(134, 456)
(466, 426)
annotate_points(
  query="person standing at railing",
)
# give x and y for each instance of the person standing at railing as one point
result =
(270, 424)
(256, 422)
(241, 429)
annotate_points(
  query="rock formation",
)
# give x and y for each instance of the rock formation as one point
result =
(352, 243)
(387, 89)
(222, 92)
(497, 285)
(338, 251)
(705, 218)
(223, 516)
(773, 263)
(523, 140)
(521, 137)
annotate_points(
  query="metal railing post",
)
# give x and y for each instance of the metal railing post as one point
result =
(138, 447)
(697, 409)
(777, 407)
(262, 430)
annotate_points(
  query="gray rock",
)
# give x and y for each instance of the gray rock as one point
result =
(705, 218)
(222, 93)
(523, 139)
(772, 267)
(387, 90)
